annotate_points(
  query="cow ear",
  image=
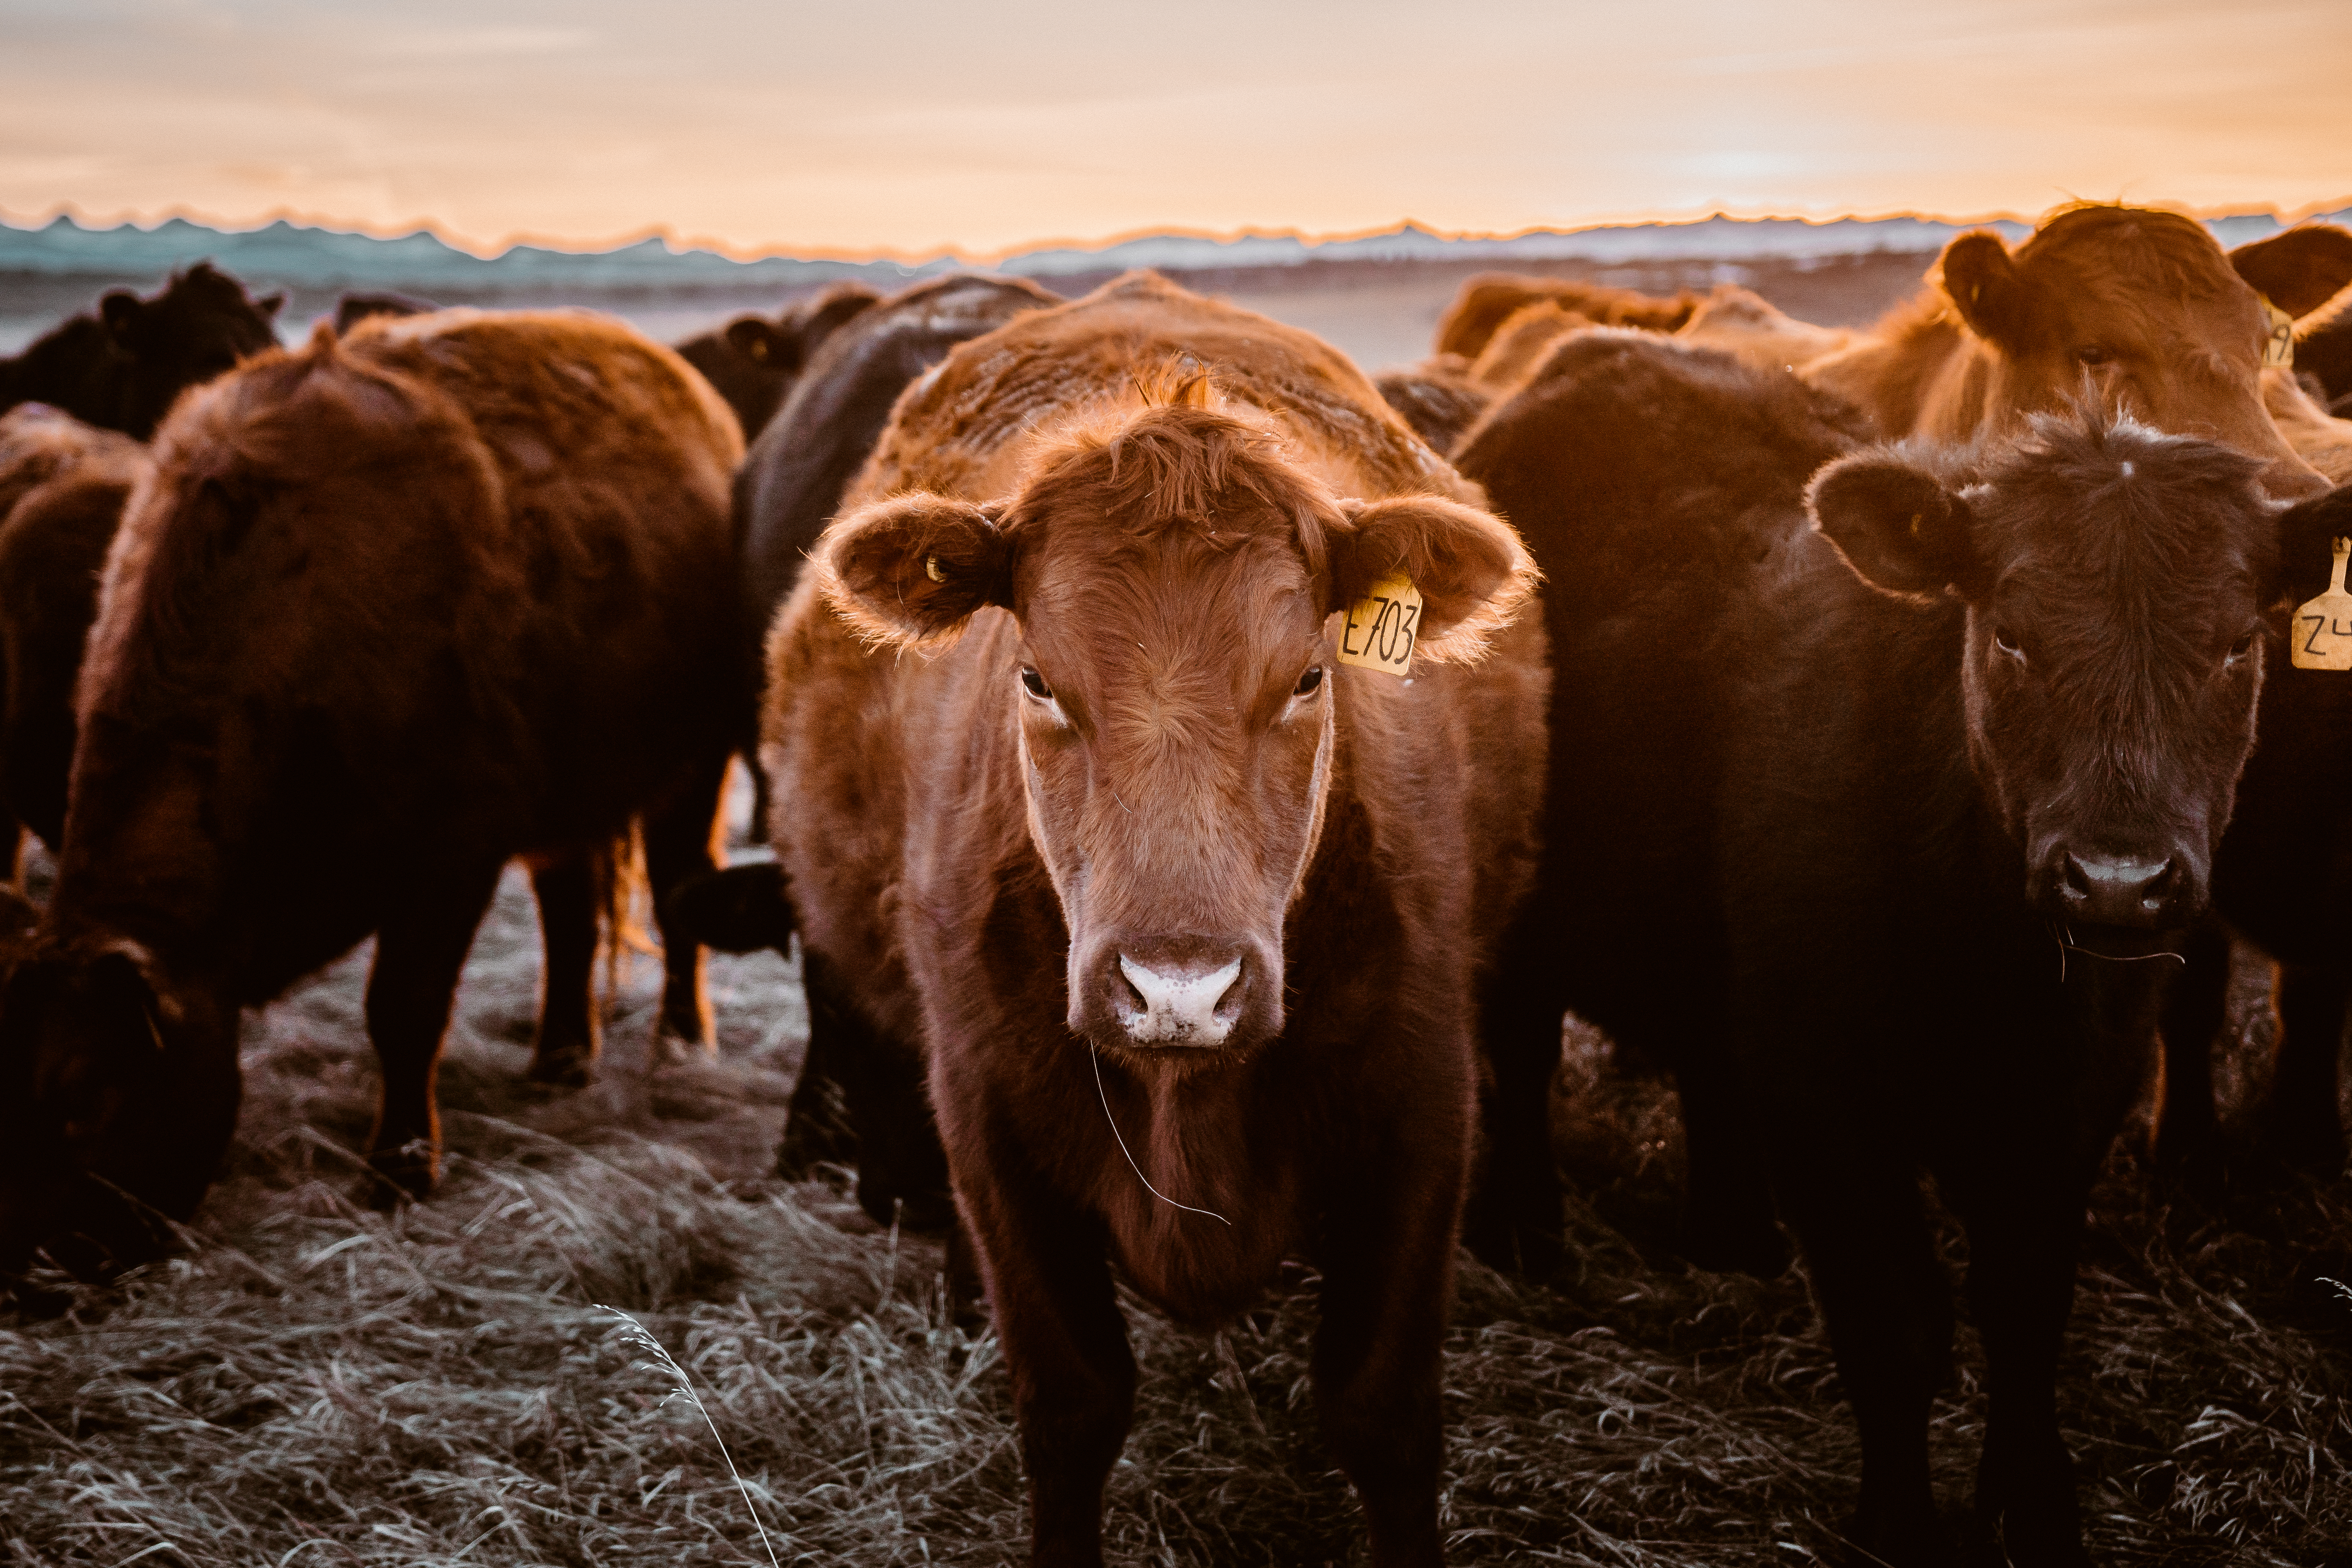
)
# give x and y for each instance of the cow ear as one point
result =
(760, 343)
(2300, 270)
(270, 304)
(1469, 566)
(914, 568)
(120, 310)
(1979, 276)
(1897, 525)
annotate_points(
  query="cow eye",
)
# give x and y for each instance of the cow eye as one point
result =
(2242, 646)
(1035, 684)
(1308, 682)
(2092, 353)
(2006, 641)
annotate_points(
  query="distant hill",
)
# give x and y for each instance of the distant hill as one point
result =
(289, 254)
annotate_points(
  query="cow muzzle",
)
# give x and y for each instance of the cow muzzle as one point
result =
(2124, 890)
(1179, 992)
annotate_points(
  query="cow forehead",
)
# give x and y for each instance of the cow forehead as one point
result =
(1183, 600)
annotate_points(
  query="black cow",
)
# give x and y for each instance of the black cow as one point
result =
(2284, 880)
(1970, 746)
(754, 362)
(121, 367)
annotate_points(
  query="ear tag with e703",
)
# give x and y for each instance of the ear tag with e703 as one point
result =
(2279, 347)
(2321, 632)
(1382, 627)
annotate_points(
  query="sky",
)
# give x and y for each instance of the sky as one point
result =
(911, 126)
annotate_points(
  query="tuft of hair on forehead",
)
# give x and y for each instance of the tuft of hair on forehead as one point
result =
(1178, 462)
(2167, 249)
(2094, 466)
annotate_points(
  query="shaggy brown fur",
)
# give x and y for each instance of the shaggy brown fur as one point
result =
(393, 611)
(1490, 299)
(53, 539)
(1438, 398)
(2138, 306)
(1059, 715)
(1520, 344)
(2318, 437)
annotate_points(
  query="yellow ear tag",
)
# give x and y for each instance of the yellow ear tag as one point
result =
(1382, 626)
(2279, 347)
(2321, 631)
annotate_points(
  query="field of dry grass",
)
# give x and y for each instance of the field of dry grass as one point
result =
(316, 1384)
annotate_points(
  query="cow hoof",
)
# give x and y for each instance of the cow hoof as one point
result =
(402, 1175)
(673, 1045)
(562, 1068)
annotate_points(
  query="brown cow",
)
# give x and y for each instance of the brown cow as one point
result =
(2318, 437)
(1186, 912)
(1759, 333)
(1490, 299)
(392, 610)
(1438, 398)
(54, 534)
(1521, 343)
(2139, 306)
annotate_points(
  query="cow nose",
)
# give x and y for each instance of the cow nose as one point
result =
(1182, 1005)
(2101, 890)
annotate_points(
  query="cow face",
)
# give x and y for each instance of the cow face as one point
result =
(2143, 310)
(190, 333)
(1173, 688)
(2116, 582)
(116, 1101)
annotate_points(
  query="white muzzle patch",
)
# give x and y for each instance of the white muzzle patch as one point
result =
(1178, 1009)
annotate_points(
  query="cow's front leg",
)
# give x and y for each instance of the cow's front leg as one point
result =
(419, 950)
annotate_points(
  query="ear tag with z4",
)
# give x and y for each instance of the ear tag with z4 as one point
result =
(1382, 626)
(2279, 347)
(2321, 632)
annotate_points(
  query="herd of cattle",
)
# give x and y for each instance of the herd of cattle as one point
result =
(1201, 777)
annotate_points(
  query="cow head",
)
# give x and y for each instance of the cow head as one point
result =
(2144, 309)
(198, 327)
(118, 1094)
(2116, 582)
(1172, 685)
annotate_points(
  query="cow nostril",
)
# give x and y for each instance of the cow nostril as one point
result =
(2077, 880)
(2158, 888)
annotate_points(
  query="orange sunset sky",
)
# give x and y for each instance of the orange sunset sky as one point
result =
(909, 125)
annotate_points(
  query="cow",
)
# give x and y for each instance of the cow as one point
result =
(1753, 331)
(54, 534)
(1912, 797)
(1521, 344)
(1438, 398)
(2318, 437)
(1184, 910)
(2139, 306)
(1490, 299)
(754, 362)
(2279, 883)
(392, 610)
(2322, 350)
(121, 368)
(353, 308)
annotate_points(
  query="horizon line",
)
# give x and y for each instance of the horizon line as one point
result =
(488, 251)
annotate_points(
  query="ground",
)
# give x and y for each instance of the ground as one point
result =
(315, 1383)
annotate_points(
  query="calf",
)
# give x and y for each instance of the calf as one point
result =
(123, 368)
(1490, 299)
(1186, 912)
(1972, 741)
(754, 363)
(2138, 306)
(392, 611)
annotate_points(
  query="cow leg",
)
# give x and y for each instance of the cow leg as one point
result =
(1889, 1307)
(1512, 1221)
(1386, 1275)
(420, 949)
(1727, 1222)
(2188, 1132)
(682, 841)
(817, 1126)
(1066, 1348)
(861, 1100)
(566, 1042)
(2303, 1119)
(2022, 1247)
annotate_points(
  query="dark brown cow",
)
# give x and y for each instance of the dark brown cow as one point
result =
(393, 610)
(1490, 299)
(754, 362)
(2139, 307)
(1179, 904)
(54, 535)
(121, 367)
(1438, 398)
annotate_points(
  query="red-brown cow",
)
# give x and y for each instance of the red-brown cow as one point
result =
(392, 611)
(2138, 306)
(1185, 911)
